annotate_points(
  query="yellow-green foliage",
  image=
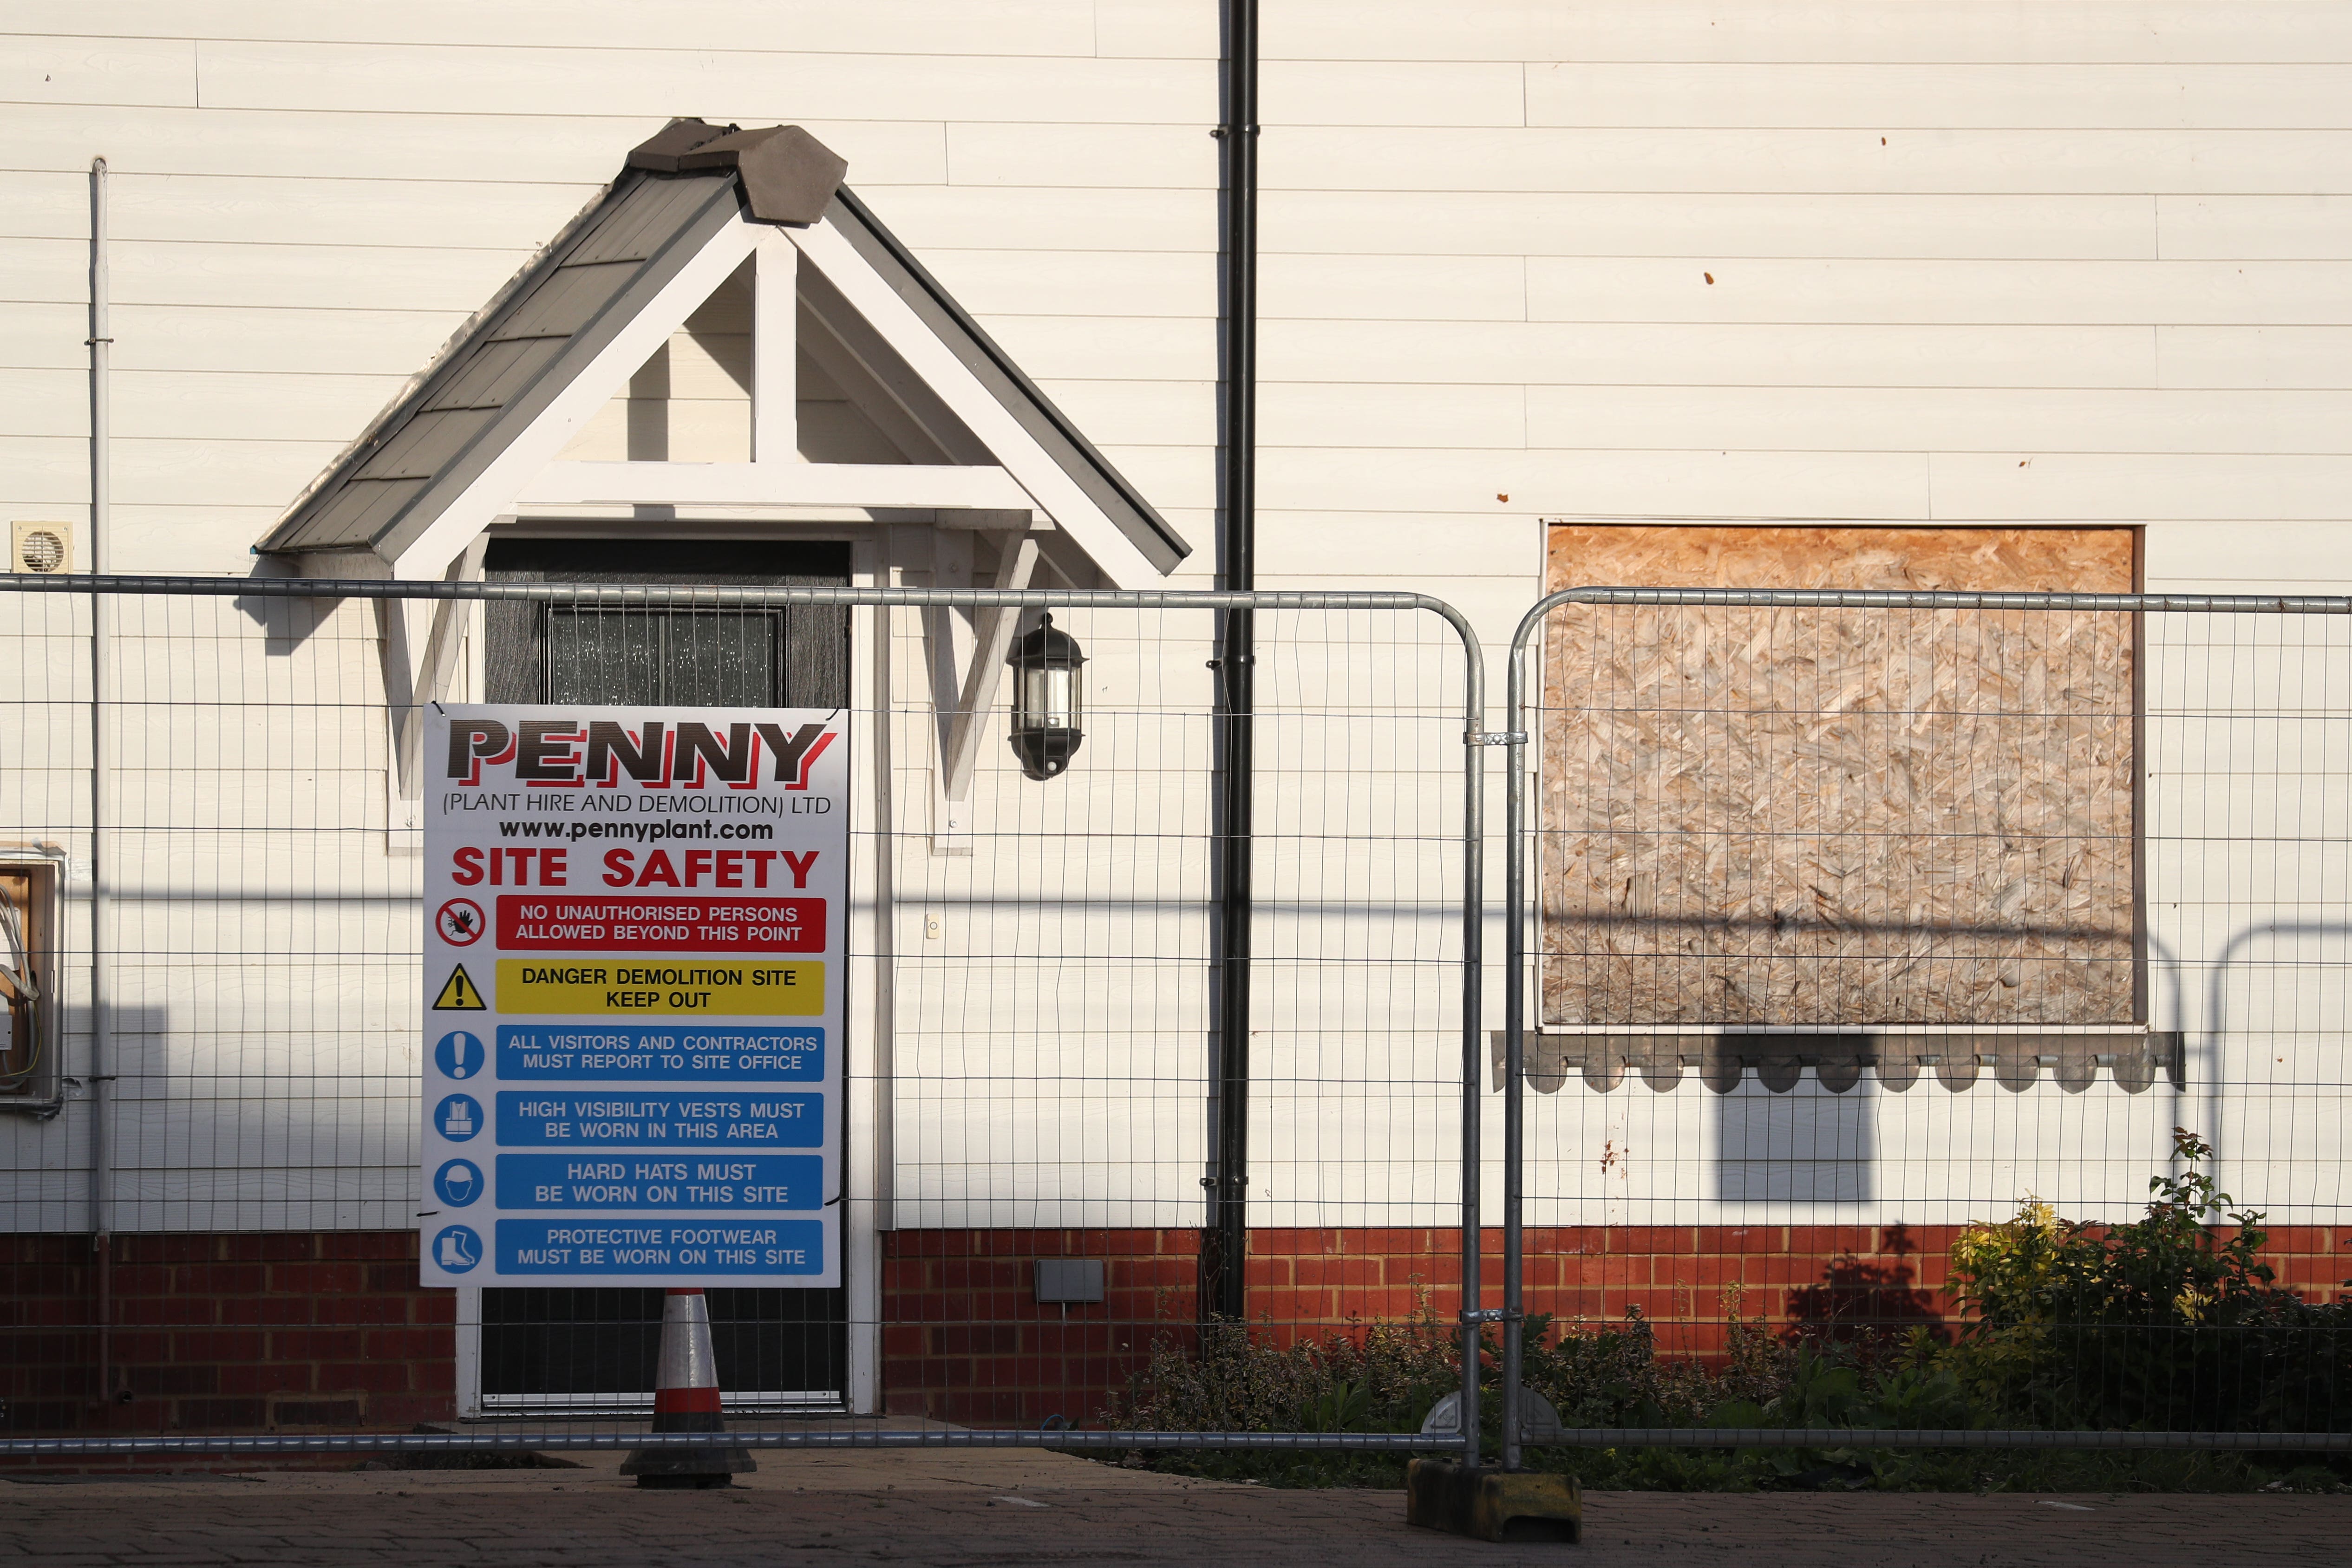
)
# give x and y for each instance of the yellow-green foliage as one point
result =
(2160, 1322)
(2170, 1321)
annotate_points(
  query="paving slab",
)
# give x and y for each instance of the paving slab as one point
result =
(964, 1509)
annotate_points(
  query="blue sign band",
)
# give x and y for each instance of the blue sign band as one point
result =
(625, 1119)
(670, 1053)
(623, 1249)
(694, 1184)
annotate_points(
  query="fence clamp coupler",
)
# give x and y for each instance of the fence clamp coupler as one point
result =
(1492, 1315)
(1494, 737)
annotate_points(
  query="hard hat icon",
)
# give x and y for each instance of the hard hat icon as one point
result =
(459, 1183)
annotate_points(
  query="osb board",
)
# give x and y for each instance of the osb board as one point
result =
(1837, 816)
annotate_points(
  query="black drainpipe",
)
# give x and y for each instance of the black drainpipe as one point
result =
(1224, 1240)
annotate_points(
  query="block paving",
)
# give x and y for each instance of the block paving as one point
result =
(965, 1509)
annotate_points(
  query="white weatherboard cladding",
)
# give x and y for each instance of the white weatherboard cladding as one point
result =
(2065, 262)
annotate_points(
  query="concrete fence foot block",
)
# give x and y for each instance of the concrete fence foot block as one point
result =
(1492, 1505)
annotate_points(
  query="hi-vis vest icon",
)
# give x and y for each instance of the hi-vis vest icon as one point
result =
(459, 994)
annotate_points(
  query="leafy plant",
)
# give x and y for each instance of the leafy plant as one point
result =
(2171, 1322)
(1227, 1377)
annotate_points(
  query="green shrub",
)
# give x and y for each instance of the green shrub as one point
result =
(2162, 1323)
(1227, 1377)
(1230, 1377)
(2171, 1322)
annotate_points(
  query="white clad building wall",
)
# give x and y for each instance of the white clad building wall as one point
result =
(1971, 263)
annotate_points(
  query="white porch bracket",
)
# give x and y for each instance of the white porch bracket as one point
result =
(992, 639)
(420, 642)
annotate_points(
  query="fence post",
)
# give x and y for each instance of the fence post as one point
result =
(1515, 1008)
(1474, 918)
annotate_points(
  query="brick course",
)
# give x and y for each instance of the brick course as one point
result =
(964, 1341)
(325, 1329)
(959, 1345)
(227, 1331)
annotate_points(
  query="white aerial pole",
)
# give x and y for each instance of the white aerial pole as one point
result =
(101, 1063)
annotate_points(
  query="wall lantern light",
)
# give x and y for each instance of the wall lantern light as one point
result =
(1047, 709)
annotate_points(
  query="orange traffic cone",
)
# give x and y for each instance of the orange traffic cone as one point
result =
(685, 1399)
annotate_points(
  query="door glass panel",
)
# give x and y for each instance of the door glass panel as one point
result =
(795, 658)
(602, 657)
(706, 658)
(720, 658)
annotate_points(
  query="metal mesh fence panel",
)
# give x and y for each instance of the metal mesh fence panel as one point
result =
(212, 1122)
(1926, 1021)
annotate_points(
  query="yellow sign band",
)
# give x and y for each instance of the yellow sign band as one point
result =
(721, 988)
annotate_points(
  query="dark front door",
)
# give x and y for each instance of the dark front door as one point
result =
(554, 1349)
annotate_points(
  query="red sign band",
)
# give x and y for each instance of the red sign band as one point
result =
(554, 923)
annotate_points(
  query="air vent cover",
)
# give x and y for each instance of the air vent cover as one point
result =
(1069, 1280)
(41, 548)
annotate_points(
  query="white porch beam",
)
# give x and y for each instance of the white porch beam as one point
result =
(773, 484)
(775, 374)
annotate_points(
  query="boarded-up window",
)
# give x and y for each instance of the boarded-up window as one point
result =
(1838, 817)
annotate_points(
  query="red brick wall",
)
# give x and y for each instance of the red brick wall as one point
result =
(253, 1331)
(225, 1331)
(964, 1339)
(1838, 1279)
(1686, 1279)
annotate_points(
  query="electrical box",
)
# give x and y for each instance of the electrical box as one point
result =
(1070, 1280)
(40, 549)
(29, 892)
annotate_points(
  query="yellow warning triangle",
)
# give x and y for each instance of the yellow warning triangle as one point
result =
(459, 994)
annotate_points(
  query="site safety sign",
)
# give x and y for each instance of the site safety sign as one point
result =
(633, 995)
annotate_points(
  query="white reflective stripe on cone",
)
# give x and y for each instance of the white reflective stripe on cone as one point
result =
(687, 1381)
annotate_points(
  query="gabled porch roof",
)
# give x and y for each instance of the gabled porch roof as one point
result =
(476, 436)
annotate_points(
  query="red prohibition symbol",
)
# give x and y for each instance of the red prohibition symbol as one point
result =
(459, 922)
